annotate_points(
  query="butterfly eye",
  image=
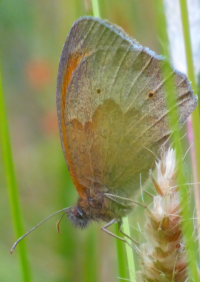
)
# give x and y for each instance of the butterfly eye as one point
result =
(79, 213)
(98, 91)
(151, 95)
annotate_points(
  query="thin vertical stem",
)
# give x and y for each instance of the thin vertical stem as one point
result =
(12, 185)
(95, 8)
(188, 48)
(90, 275)
(192, 78)
(129, 251)
(121, 254)
(194, 171)
(121, 262)
(195, 114)
(170, 99)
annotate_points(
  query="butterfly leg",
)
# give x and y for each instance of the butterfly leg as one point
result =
(116, 201)
(110, 196)
(104, 228)
(120, 223)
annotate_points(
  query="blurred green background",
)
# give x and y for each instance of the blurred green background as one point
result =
(32, 34)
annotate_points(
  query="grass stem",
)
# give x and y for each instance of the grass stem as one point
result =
(170, 99)
(129, 251)
(121, 256)
(95, 8)
(195, 114)
(12, 185)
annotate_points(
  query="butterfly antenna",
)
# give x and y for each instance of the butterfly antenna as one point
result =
(22, 237)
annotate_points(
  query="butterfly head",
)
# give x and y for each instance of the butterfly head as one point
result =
(77, 216)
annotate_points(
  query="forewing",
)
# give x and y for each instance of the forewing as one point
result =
(113, 115)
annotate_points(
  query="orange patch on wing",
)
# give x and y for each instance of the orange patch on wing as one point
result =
(73, 61)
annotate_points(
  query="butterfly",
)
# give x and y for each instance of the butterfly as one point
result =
(112, 117)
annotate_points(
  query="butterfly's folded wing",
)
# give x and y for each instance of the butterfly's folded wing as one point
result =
(112, 111)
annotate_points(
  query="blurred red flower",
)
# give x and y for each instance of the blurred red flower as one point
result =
(38, 73)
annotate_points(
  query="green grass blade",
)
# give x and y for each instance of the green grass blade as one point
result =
(95, 8)
(129, 251)
(120, 251)
(12, 186)
(170, 89)
(195, 114)
(192, 78)
(91, 274)
(121, 256)
(186, 33)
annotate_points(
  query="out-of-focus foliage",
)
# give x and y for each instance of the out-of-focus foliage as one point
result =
(32, 34)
